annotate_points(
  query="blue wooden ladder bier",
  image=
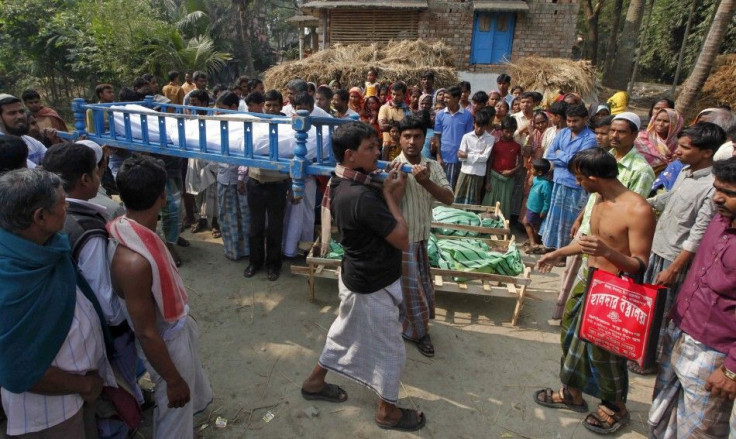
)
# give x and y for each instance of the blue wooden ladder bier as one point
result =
(297, 167)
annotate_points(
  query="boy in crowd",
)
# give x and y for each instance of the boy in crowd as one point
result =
(537, 204)
(475, 149)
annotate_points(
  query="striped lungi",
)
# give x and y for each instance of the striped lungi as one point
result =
(364, 342)
(234, 216)
(682, 407)
(565, 206)
(469, 189)
(452, 170)
(416, 284)
(584, 365)
(501, 189)
(171, 212)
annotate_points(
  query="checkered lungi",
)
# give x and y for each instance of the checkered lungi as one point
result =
(565, 206)
(452, 171)
(469, 189)
(171, 212)
(584, 365)
(682, 408)
(234, 217)
(416, 285)
(364, 342)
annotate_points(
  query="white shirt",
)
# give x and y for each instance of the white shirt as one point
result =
(478, 150)
(349, 114)
(95, 268)
(548, 137)
(82, 351)
(521, 122)
(36, 149)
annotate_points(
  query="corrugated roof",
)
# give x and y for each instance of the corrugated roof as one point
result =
(339, 4)
(501, 5)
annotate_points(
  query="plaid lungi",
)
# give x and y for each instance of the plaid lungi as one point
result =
(565, 206)
(234, 216)
(584, 365)
(469, 189)
(682, 408)
(501, 189)
(452, 170)
(416, 284)
(364, 342)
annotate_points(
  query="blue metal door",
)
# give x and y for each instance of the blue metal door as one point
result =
(493, 36)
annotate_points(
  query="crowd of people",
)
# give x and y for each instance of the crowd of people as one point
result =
(592, 186)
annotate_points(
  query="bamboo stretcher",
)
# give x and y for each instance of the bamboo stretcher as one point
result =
(481, 284)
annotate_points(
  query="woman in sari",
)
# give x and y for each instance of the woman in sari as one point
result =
(369, 114)
(658, 142)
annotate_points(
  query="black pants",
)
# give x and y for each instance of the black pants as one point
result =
(266, 200)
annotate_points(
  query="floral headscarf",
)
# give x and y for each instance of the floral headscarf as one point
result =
(655, 149)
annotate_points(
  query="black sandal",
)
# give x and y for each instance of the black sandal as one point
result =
(607, 420)
(329, 393)
(425, 346)
(410, 420)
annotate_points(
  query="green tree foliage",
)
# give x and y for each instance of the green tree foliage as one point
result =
(660, 50)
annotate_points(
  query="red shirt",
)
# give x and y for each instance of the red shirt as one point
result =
(505, 155)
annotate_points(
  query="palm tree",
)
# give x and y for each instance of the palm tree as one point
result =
(623, 63)
(198, 53)
(704, 64)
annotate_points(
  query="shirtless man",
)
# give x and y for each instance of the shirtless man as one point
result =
(621, 230)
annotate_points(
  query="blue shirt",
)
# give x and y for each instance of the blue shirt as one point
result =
(540, 195)
(452, 128)
(563, 149)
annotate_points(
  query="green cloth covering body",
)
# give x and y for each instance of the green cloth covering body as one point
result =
(450, 215)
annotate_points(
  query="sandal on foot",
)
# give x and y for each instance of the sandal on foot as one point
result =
(410, 420)
(200, 225)
(181, 242)
(566, 403)
(329, 393)
(635, 368)
(606, 421)
(216, 233)
(425, 346)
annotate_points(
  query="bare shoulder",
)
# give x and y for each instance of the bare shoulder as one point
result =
(126, 262)
(637, 208)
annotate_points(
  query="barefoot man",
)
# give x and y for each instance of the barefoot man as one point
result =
(621, 231)
(364, 343)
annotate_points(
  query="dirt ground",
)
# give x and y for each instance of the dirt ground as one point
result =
(260, 339)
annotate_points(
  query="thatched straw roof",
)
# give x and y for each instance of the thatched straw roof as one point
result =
(401, 60)
(720, 88)
(550, 75)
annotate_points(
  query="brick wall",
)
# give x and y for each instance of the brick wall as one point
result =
(548, 29)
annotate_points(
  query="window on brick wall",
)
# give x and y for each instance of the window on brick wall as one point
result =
(493, 36)
(379, 26)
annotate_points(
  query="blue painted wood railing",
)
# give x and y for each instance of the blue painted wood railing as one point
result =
(297, 167)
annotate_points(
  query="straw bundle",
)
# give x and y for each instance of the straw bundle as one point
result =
(402, 60)
(720, 88)
(550, 75)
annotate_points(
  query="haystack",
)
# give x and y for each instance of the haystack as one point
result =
(550, 75)
(720, 88)
(402, 60)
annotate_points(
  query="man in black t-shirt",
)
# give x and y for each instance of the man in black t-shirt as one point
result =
(364, 343)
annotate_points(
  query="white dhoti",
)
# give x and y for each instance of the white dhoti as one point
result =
(364, 342)
(183, 345)
(299, 220)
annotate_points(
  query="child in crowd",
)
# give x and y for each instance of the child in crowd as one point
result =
(494, 98)
(516, 91)
(516, 105)
(478, 101)
(475, 148)
(504, 162)
(392, 149)
(371, 84)
(537, 204)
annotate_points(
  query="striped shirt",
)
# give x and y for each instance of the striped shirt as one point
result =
(82, 351)
(417, 202)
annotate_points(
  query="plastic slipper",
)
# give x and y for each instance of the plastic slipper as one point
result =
(612, 423)
(425, 346)
(410, 420)
(216, 233)
(566, 402)
(329, 393)
(635, 368)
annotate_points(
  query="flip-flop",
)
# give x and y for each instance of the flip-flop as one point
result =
(425, 346)
(606, 427)
(566, 402)
(410, 421)
(635, 368)
(329, 393)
